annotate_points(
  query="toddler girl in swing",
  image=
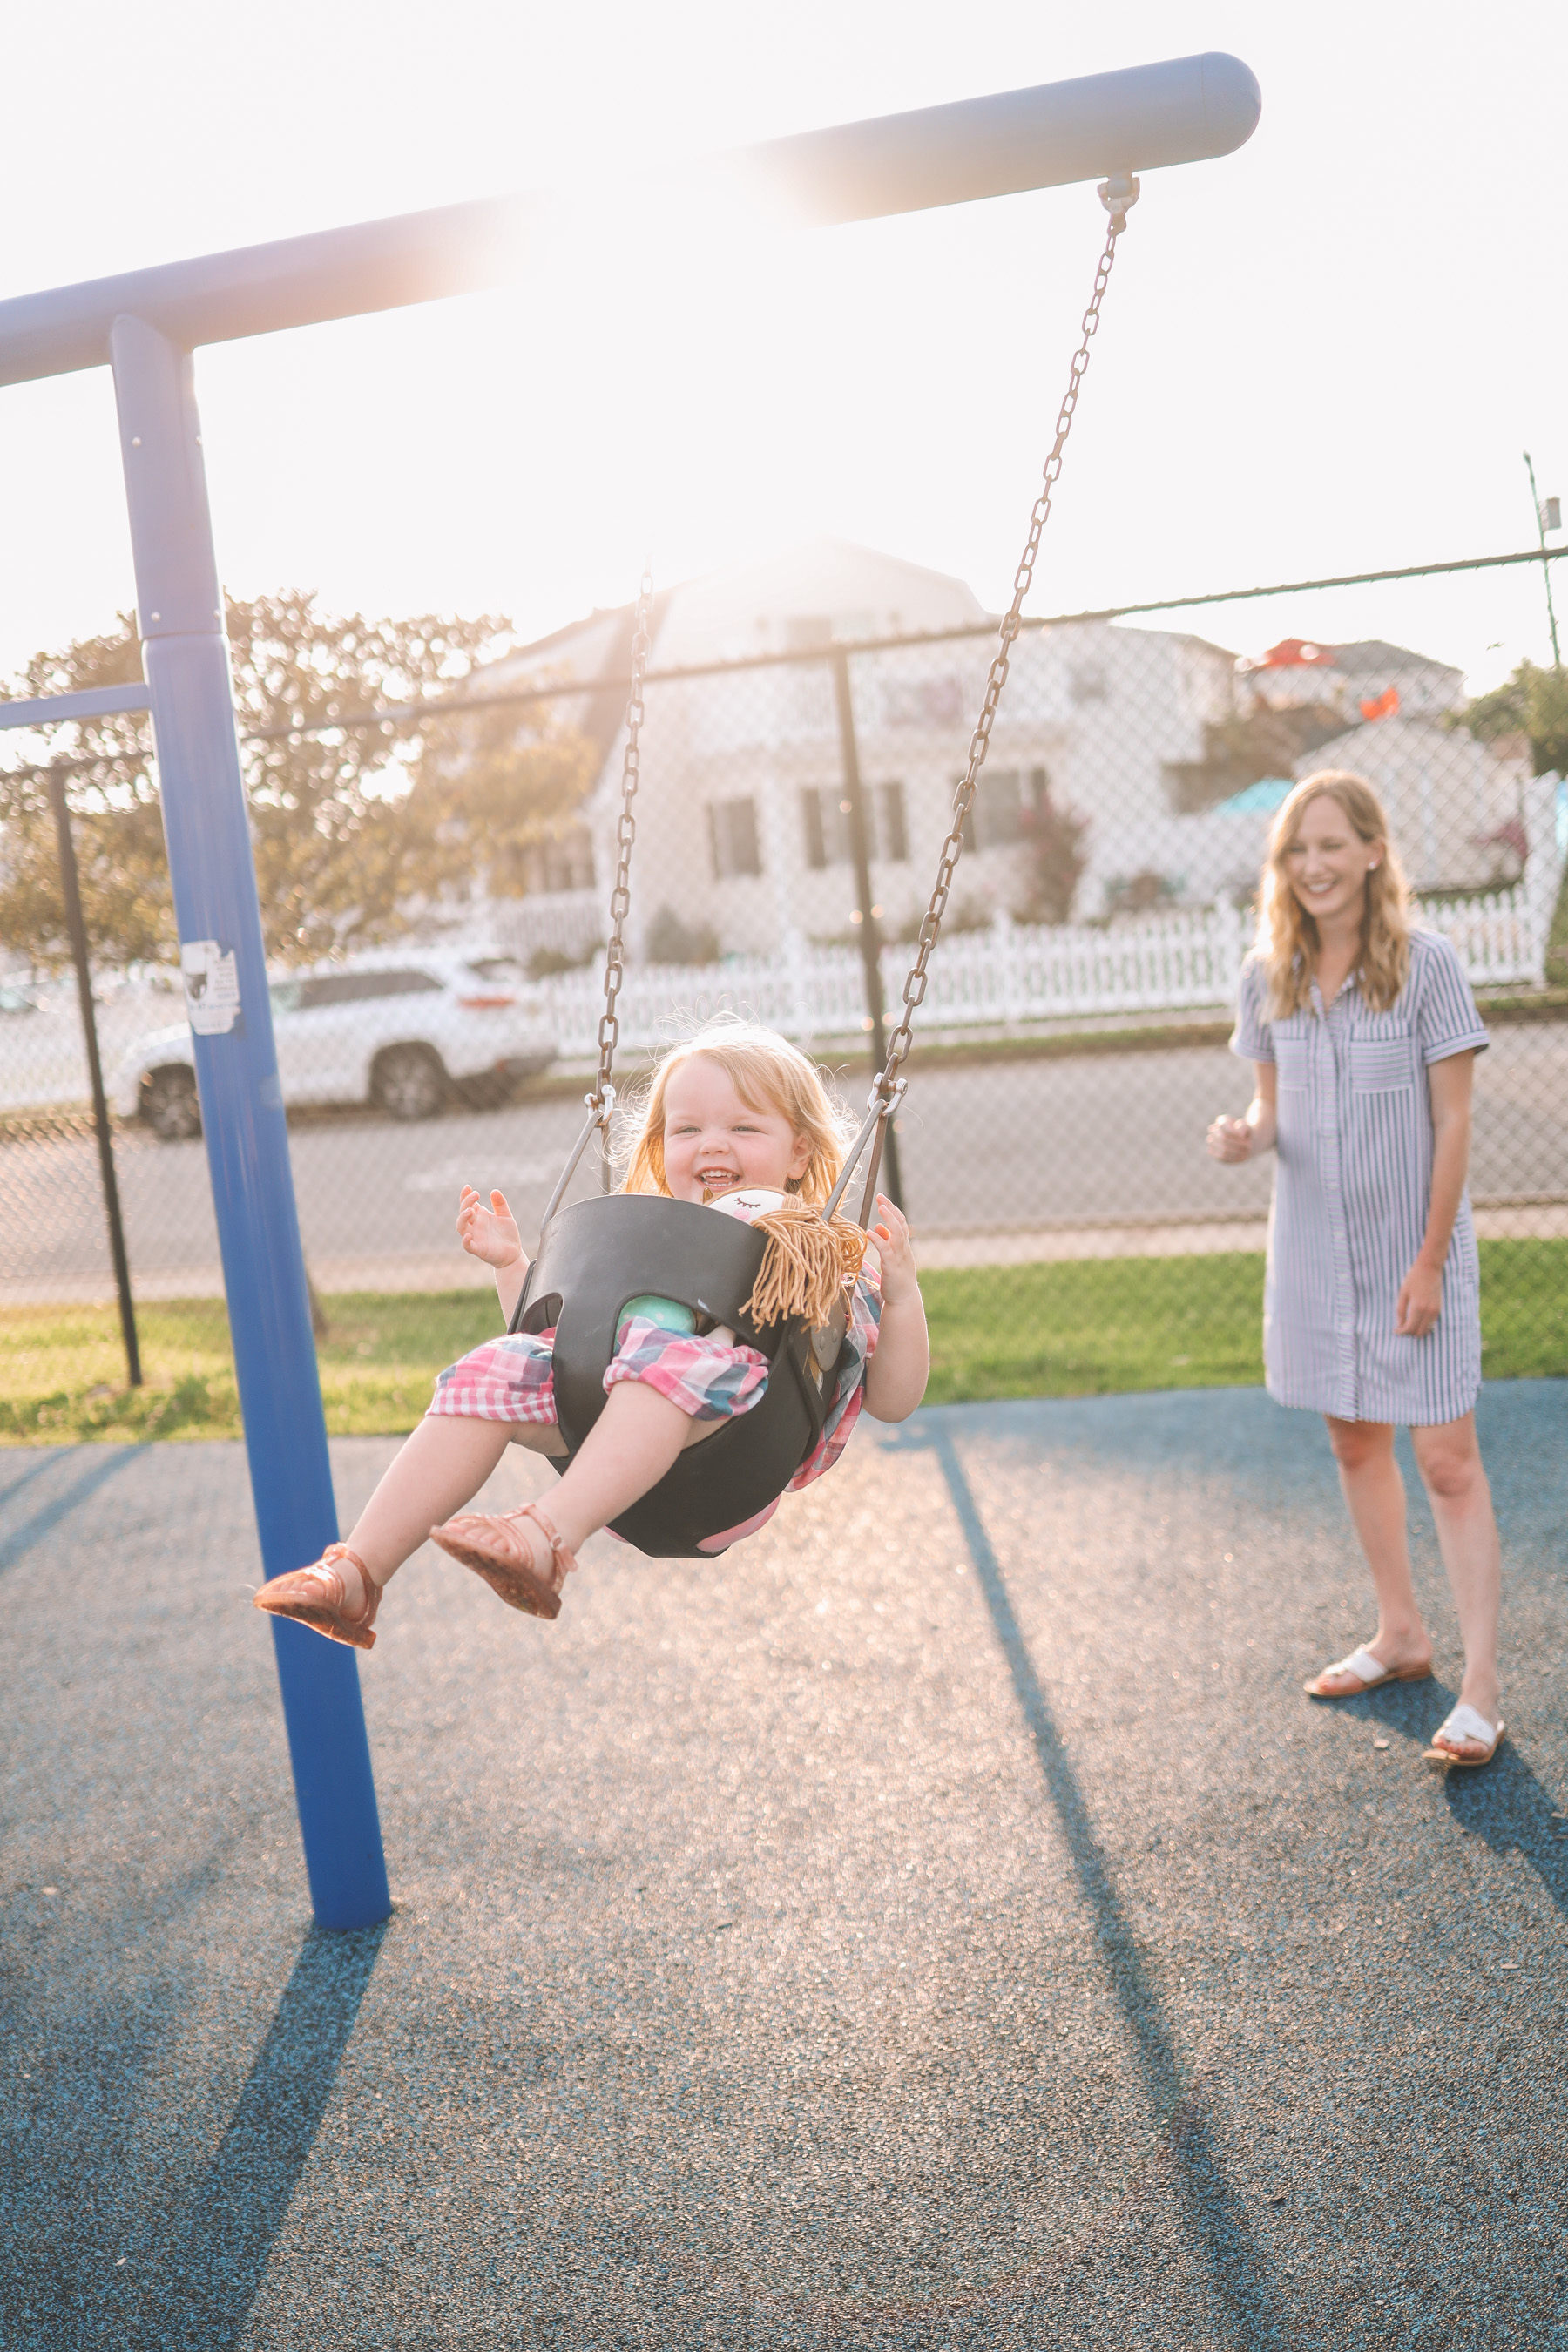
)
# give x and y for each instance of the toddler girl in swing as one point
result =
(734, 1109)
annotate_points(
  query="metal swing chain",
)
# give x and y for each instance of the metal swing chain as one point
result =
(1117, 194)
(602, 1101)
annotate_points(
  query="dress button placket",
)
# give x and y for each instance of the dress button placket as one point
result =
(1327, 1113)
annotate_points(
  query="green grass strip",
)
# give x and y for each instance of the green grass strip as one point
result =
(1083, 1327)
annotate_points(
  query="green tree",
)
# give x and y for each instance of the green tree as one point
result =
(355, 829)
(492, 788)
(119, 831)
(1532, 702)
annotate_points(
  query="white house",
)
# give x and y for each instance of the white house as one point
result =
(741, 843)
(740, 816)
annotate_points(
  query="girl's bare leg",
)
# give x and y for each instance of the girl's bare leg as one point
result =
(1374, 1492)
(638, 1437)
(439, 1469)
(1450, 1463)
(634, 1441)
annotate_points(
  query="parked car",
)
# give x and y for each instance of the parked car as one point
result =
(407, 1035)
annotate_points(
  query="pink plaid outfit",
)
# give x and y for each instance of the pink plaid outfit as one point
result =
(512, 1378)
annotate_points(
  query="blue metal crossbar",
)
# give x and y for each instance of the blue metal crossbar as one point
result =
(1137, 120)
(146, 326)
(93, 702)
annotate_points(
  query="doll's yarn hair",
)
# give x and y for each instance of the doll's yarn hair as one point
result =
(809, 1261)
(1288, 941)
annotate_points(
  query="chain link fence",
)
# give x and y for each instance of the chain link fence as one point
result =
(1070, 1052)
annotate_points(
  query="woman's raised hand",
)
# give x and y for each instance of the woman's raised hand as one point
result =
(1230, 1139)
(892, 1235)
(489, 1233)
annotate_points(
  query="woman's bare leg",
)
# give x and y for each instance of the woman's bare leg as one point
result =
(1449, 1460)
(439, 1469)
(1375, 1493)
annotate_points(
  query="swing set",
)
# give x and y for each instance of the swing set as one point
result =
(597, 1255)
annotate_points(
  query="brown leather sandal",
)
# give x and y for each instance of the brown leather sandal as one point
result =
(316, 1596)
(494, 1547)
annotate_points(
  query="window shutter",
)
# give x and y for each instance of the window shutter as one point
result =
(744, 837)
(891, 841)
(811, 820)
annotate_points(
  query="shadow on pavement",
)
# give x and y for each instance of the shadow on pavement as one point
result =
(45, 1461)
(211, 2267)
(1212, 2209)
(1504, 1802)
(1506, 1805)
(105, 1460)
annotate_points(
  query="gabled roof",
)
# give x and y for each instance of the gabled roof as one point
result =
(597, 647)
(1370, 655)
(746, 608)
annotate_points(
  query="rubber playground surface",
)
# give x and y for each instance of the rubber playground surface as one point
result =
(946, 1924)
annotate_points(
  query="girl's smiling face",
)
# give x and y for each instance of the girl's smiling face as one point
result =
(1328, 863)
(714, 1142)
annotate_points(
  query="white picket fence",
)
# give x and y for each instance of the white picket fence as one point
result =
(1010, 974)
(1008, 977)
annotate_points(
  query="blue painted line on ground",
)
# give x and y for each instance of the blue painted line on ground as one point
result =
(108, 1459)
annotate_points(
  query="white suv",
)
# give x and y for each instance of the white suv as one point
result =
(405, 1035)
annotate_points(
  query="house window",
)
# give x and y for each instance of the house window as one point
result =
(566, 863)
(825, 821)
(891, 841)
(820, 824)
(733, 837)
(922, 702)
(1003, 806)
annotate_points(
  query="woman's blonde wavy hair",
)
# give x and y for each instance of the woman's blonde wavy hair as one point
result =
(770, 1075)
(1288, 940)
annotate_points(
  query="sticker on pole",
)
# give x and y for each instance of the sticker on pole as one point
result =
(212, 987)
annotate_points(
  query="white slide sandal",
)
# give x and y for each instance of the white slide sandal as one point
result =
(1464, 1722)
(1369, 1673)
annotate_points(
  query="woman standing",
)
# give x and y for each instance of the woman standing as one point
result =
(1364, 1032)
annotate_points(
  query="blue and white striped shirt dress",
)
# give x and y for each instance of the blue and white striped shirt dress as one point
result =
(1352, 1191)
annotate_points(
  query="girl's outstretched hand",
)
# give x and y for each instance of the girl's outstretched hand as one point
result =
(892, 1235)
(1230, 1139)
(489, 1233)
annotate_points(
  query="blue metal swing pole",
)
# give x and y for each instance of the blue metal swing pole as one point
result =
(185, 655)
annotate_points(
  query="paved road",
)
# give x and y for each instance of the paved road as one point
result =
(943, 1925)
(1090, 1139)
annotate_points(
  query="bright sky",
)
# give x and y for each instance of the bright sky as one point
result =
(1323, 354)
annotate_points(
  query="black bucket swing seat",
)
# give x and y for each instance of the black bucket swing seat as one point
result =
(594, 1259)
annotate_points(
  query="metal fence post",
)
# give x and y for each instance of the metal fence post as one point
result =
(870, 929)
(70, 892)
(213, 877)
